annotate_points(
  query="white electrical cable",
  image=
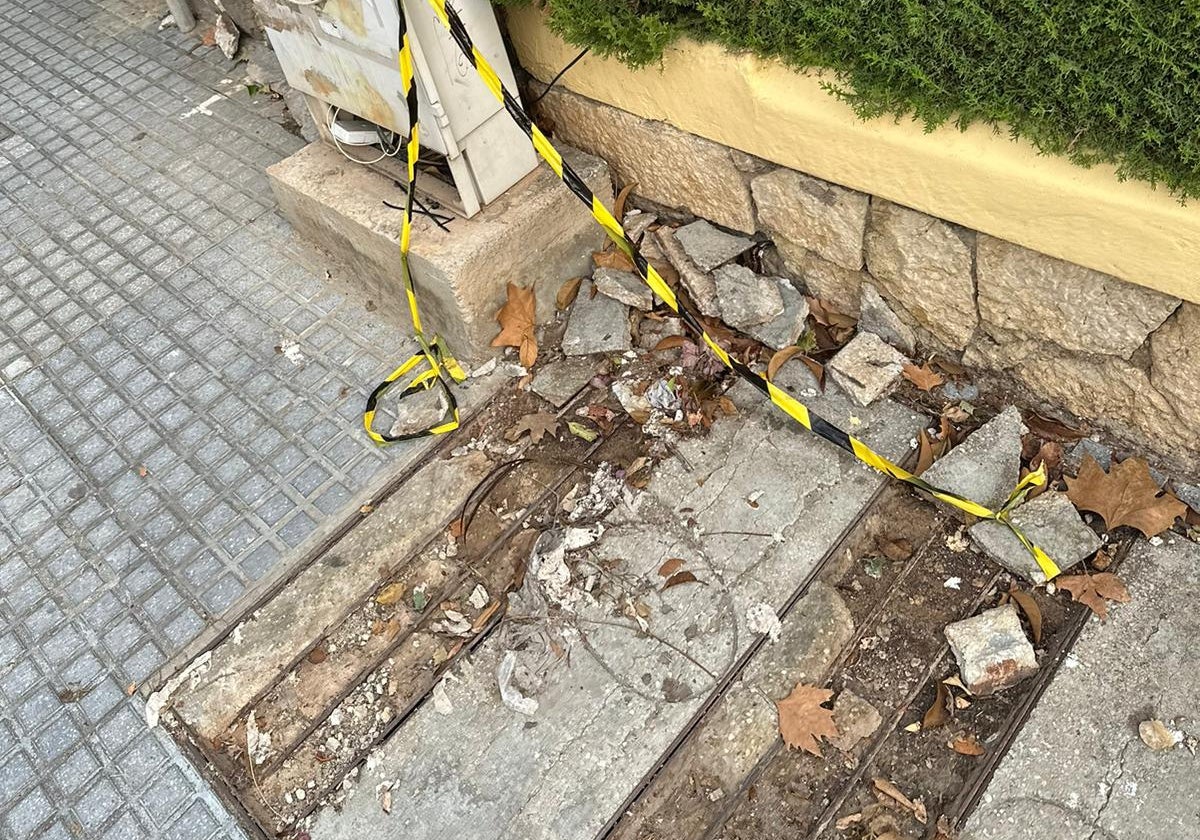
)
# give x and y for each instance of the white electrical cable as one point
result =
(333, 111)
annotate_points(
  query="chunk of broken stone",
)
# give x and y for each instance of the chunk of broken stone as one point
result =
(700, 286)
(628, 288)
(1052, 522)
(854, 718)
(875, 316)
(653, 330)
(867, 368)
(708, 247)
(786, 328)
(226, 35)
(597, 324)
(991, 650)
(558, 381)
(985, 467)
(637, 222)
(746, 299)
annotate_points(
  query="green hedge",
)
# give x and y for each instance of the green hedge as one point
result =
(1115, 81)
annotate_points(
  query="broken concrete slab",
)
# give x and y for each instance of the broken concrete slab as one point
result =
(746, 299)
(708, 246)
(1078, 768)
(868, 368)
(701, 288)
(875, 316)
(986, 466)
(560, 380)
(597, 324)
(991, 650)
(1052, 522)
(624, 286)
(651, 331)
(534, 231)
(485, 772)
(855, 720)
(786, 328)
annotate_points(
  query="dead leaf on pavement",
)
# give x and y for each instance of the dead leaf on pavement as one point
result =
(622, 197)
(613, 259)
(670, 567)
(924, 377)
(967, 745)
(536, 424)
(567, 292)
(937, 714)
(670, 342)
(948, 366)
(779, 360)
(1032, 611)
(802, 718)
(516, 319)
(678, 578)
(894, 550)
(318, 654)
(1095, 590)
(390, 594)
(825, 314)
(892, 792)
(1126, 495)
(1044, 427)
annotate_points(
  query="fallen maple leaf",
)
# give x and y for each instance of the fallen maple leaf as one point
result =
(802, 718)
(516, 319)
(924, 377)
(1125, 495)
(536, 424)
(1095, 590)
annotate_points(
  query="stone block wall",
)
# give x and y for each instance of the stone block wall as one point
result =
(1121, 357)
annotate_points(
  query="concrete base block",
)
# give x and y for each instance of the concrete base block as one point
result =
(537, 233)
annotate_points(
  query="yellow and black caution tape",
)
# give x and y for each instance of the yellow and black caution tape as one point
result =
(434, 362)
(782, 399)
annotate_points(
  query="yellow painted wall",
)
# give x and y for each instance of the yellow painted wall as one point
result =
(978, 178)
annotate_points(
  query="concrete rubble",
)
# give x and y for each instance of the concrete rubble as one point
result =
(875, 316)
(855, 719)
(700, 286)
(624, 286)
(558, 381)
(746, 299)
(1052, 523)
(653, 330)
(868, 368)
(991, 650)
(597, 324)
(787, 328)
(986, 466)
(709, 247)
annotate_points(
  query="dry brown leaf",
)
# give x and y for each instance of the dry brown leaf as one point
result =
(614, 260)
(802, 718)
(516, 317)
(678, 578)
(925, 456)
(727, 406)
(848, 820)
(779, 360)
(894, 550)
(536, 424)
(1044, 427)
(967, 745)
(366, 509)
(622, 197)
(390, 594)
(1032, 611)
(892, 792)
(938, 714)
(1125, 495)
(567, 292)
(670, 567)
(130, 689)
(670, 342)
(484, 617)
(924, 377)
(826, 315)
(457, 528)
(948, 366)
(318, 654)
(1095, 590)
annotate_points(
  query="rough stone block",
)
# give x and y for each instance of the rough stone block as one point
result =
(628, 288)
(597, 324)
(837, 286)
(670, 167)
(875, 316)
(986, 466)
(746, 299)
(1175, 366)
(536, 231)
(1026, 295)
(867, 368)
(787, 328)
(924, 266)
(709, 247)
(991, 650)
(1052, 522)
(700, 286)
(804, 213)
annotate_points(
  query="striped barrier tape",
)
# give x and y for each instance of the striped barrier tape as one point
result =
(779, 397)
(437, 361)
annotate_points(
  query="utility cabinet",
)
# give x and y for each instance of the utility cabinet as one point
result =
(343, 54)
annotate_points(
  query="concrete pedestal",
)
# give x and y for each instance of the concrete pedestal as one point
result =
(537, 233)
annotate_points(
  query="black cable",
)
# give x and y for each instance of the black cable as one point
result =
(561, 73)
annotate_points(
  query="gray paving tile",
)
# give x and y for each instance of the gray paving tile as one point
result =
(158, 456)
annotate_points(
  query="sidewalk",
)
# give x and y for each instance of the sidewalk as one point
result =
(179, 402)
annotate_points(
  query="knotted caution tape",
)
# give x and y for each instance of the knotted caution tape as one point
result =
(782, 399)
(437, 361)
